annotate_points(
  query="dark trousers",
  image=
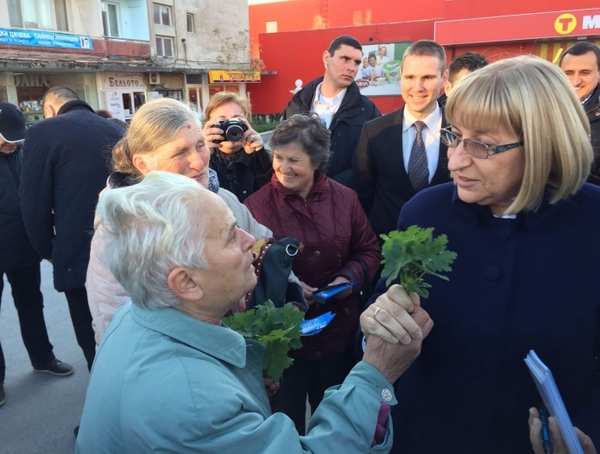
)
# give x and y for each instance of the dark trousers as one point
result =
(312, 377)
(29, 302)
(82, 323)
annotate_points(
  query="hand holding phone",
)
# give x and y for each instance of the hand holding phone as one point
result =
(323, 294)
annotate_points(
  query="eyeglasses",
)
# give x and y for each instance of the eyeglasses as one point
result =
(474, 147)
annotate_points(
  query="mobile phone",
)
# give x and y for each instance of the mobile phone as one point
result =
(323, 294)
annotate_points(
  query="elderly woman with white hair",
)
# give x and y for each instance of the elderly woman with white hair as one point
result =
(526, 231)
(170, 377)
(164, 135)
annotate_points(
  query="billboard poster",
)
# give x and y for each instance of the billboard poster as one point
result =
(379, 73)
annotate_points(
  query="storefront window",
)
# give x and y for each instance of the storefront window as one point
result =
(132, 101)
(174, 94)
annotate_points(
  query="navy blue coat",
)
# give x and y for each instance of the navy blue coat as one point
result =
(65, 166)
(345, 126)
(516, 285)
(16, 248)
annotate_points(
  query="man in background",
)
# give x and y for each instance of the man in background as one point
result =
(458, 68)
(336, 98)
(581, 64)
(65, 166)
(401, 153)
(18, 260)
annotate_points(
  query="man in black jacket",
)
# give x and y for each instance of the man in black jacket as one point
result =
(18, 260)
(387, 145)
(581, 64)
(336, 98)
(65, 166)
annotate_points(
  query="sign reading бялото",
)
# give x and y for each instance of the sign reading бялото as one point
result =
(217, 76)
(41, 38)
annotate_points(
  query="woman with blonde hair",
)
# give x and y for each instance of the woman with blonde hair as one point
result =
(243, 166)
(525, 227)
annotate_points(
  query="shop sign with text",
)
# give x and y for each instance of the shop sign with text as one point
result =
(555, 24)
(124, 81)
(224, 77)
(39, 38)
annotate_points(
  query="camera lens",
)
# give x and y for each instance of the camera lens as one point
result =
(234, 133)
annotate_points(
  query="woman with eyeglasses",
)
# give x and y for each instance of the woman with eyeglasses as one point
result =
(527, 233)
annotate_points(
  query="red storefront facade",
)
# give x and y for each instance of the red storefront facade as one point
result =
(497, 30)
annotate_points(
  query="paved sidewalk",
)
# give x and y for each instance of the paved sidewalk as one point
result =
(41, 410)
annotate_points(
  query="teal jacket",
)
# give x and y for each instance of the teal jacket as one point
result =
(165, 382)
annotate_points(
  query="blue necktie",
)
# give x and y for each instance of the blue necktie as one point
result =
(418, 172)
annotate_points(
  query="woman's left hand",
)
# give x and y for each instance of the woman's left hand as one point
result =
(253, 142)
(345, 293)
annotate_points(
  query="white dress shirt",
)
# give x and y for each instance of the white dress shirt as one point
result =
(431, 137)
(326, 108)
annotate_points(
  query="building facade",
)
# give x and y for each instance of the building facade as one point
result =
(118, 54)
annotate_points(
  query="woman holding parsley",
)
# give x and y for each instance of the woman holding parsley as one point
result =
(527, 233)
(302, 203)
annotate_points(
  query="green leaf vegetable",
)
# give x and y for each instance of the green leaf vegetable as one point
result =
(277, 328)
(412, 253)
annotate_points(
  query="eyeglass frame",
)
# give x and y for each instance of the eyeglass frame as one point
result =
(491, 150)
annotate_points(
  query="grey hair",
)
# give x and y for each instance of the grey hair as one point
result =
(153, 125)
(152, 228)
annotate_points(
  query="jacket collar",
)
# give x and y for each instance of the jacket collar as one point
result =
(352, 98)
(74, 105)
(528, 220)
(320, 186)
(593, 105)
(217, 341)
(122, 179)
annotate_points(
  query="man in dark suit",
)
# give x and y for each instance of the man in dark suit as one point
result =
(65, 166)
(401, 153)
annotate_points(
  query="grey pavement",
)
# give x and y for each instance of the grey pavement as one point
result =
(41, 410)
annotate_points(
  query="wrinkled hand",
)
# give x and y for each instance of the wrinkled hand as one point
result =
(392, 359)
(345, 293)
(271, 386)
(535, 436)
(389, 317)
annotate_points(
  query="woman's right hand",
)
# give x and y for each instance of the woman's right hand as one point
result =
(308, 292)
(211, 134)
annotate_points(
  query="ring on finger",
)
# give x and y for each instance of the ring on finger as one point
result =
(377, 309)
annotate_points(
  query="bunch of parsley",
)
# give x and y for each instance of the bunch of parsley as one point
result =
(412, 253)
(277, 328)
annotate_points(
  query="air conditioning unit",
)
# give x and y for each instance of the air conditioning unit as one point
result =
(154, 78)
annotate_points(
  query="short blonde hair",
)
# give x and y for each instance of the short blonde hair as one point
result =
(225, 97)
(531, 99)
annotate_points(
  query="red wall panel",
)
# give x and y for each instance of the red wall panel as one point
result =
(298, 55)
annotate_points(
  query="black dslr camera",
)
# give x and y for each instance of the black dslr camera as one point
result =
(233, 128)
